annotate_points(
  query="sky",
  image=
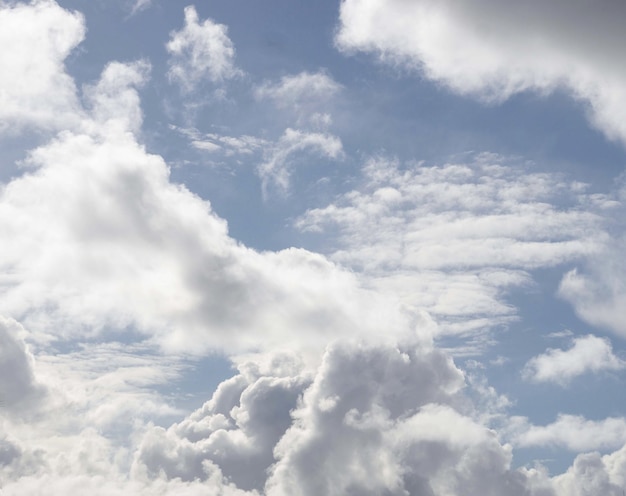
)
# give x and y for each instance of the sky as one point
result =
(271, 248)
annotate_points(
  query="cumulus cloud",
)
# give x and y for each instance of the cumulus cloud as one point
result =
(494, 49)
(98, 238)
(19, 387)
(201, 52)
(373, 418)
(276, 169)
(452, 239)
(34, 88)
(576, 434)
(587, 354)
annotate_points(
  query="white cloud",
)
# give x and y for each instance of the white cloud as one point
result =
(139, 6)
(305, 86)
(276, 169)
(592, 474)
(372, 419)
(494, 49)
(597, 289)
(19, 388)
(34, 88)
(587, 354)
(452, 239)
(220, 143)
(576, 434)
(98, 238)
(308, 95)
(113, 101)
(201, 52)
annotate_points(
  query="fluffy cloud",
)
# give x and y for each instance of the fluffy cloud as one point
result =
(201, 51)
(576, 434)
(19, 388)
(587, 354)
(592, 474)
(494, 49)
(371, 419)
(452, 239)
(98, 238)
(34, 88)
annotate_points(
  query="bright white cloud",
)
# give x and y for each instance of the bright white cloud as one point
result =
(452, 239)
(19, 388)
(34, 88)
(494, 49)
(576, 434)
(97, 237)
(201, 52)
(587, 354)
(276, 169)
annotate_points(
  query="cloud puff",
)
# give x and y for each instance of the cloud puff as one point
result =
(199, 52)
(494, 49)
(576, 434)
(34, 88)
(451, 239)
(587, 354)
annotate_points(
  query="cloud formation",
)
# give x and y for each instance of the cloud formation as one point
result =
(35, 91)
(201, 52)
(494, 49)
(275, 171)
(452, 239)
(587, 354)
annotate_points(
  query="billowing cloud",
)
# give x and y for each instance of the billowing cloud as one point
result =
(592, 474)
(452, 239)
(371, 419)
(97, 237)
(587, 354)
(493, 49)
(19, 388)
(34, 88)
(201, 52)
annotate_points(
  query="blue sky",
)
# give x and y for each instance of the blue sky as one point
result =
(298, 248)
